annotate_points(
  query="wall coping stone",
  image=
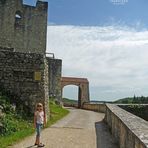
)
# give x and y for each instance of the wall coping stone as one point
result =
(137, 125)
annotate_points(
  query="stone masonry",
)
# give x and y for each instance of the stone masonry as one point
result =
(23, 27)
(83, 88)
(25, 75)
(55, 69)
(25, 71)
(23, 64)
(128, 130)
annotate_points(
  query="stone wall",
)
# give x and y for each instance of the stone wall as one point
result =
(83, 88)
(23, 27)
(140, 110)
(55, 70)
(129, 130)
(95, 107)
(25, 76)
(83, 94)
(46, 87)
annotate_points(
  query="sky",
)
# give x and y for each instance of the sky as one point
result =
(102, 40)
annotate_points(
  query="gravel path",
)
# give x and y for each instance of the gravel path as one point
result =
(77, 130)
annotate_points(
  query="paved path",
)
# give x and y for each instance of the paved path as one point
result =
(80, 129)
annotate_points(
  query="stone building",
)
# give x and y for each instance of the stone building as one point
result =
(25, 71)
(54, 72)
(23, 27)
(25, 77)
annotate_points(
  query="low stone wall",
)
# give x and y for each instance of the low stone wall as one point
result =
(140, 110)
(129, 130)
(95, 107)
(70, 105)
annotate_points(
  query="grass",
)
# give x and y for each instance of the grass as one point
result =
(57, 113)
(15, 137)
(26, 129)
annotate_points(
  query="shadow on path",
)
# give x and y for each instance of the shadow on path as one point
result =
(31, 146)
(103, 137)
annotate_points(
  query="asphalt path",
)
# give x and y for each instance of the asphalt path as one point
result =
(79, 129)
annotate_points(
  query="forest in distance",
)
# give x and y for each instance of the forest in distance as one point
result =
(133, 100)
(135, 105)
(128, 100)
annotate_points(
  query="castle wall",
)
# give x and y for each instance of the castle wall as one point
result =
(128, 130)
(25, 75)
(83, 88)
(23, 27)
(55, 70)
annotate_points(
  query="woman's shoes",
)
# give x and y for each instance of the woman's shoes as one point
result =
(41, 145)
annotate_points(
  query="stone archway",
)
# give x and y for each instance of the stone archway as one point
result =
(83, 85)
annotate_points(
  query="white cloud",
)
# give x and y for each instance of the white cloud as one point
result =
(113, 58)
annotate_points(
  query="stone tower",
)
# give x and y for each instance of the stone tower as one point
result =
(23, 63)
(23, 27)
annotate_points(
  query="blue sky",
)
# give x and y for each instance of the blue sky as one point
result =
(96, 12)
(103, 41)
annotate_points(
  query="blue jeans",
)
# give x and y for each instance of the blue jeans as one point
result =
(38, 129)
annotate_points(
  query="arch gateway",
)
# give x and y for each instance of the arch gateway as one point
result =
(83, 88)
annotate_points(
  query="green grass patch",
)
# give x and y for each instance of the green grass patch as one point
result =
(6, 141)
(25, 128)
(57, 113)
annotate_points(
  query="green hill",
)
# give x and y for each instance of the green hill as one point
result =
(133, 100)
(69, 101)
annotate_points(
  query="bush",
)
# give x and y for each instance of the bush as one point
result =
(9, 121)
(24, 127)
(9, 126)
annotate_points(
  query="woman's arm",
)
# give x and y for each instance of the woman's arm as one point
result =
(44, 119)
(35, 120)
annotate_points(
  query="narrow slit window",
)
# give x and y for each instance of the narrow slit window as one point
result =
(18, 19)
(17, 16)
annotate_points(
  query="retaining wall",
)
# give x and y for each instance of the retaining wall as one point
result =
(129, 131)
(140, 110)
(95, 107)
